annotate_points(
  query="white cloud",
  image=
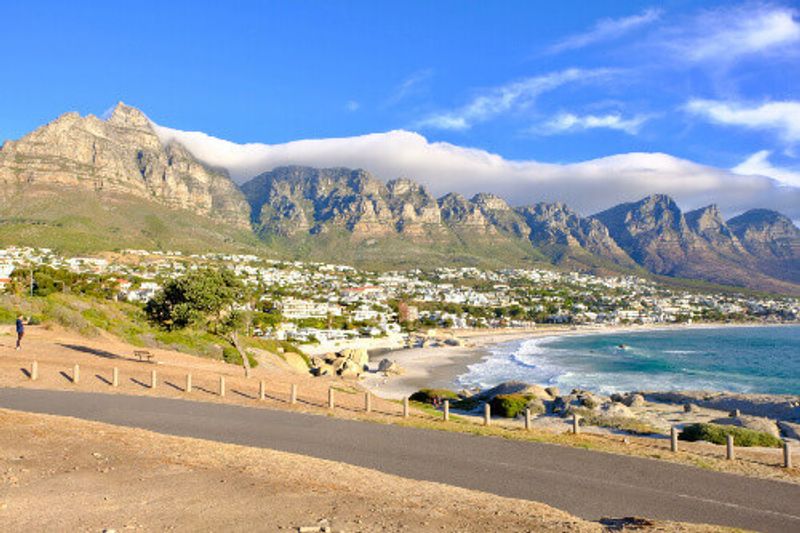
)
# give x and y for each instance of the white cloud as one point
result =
(409, 86)
(513, 96)
(352, 105)
(781, 117)
(569, 122)
(758, 164)
(726, 34)
(587, 186)
(606, 29)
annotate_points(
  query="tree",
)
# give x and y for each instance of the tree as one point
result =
(199, 296)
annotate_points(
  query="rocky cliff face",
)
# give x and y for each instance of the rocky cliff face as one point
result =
(700, 244)
(772, 239)
(120, 155)
(556, 224)
(653, 233)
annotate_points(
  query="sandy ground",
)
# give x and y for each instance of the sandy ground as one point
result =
(68, 475)
(57, 351)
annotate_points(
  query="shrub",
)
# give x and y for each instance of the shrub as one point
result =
(510, 405)
(589, 402)
(621, 423)
(428, 395)
(232, 356)
(466, 404)
(718, 434)
(7, 316)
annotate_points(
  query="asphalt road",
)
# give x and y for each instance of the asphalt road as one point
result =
(588, 484)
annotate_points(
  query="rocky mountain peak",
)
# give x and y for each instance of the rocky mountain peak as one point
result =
(767, 234)
(405, 186)
(125, 116)
(490, 202)
(120, 156)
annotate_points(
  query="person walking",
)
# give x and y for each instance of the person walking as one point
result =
(20, 331)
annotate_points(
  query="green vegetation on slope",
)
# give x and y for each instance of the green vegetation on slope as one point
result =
(80, 222)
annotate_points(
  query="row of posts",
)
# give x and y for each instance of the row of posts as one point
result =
(730, 453)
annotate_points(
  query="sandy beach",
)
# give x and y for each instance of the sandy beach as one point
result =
(437, 367)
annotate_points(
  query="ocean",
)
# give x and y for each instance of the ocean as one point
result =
(734, 359)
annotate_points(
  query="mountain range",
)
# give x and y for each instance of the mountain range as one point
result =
(84, 183)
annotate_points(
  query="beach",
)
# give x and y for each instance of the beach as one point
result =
(439, 366)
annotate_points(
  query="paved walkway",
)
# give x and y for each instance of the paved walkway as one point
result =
(586, 483)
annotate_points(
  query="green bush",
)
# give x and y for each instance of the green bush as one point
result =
(232, 356)
(510, 405)
(7, 316)
(718, 435)
(466, 404)
(622, 423)
(428, 395)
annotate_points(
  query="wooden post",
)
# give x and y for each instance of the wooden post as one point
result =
(76, 374)
(673, 439)
(34, 370)
(331, 400)
(446, 412)
(787, 455)
(575, 426)
(293, 395)
(729, 453)
(367, 402)
(153, 379)
(115, 377)
(222, 386)
(188, 387)
(405, 407)
(487, 414)
(527, 419)
(262, 390)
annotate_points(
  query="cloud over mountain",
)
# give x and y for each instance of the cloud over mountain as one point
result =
(588, 186)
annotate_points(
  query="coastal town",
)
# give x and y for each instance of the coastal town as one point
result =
(309, 302)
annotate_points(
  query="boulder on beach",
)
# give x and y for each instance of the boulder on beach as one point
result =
(388, 366)
(634, 400)
(516, 387)
(358, 355)
(350, 362)
(789, 429)
(756, 423)
(616, 409)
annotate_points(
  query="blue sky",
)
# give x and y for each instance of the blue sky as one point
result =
(712, 83)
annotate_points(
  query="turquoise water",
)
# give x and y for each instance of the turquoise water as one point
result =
(746, 359)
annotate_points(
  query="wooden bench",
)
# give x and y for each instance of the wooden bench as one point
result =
(143, 354)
